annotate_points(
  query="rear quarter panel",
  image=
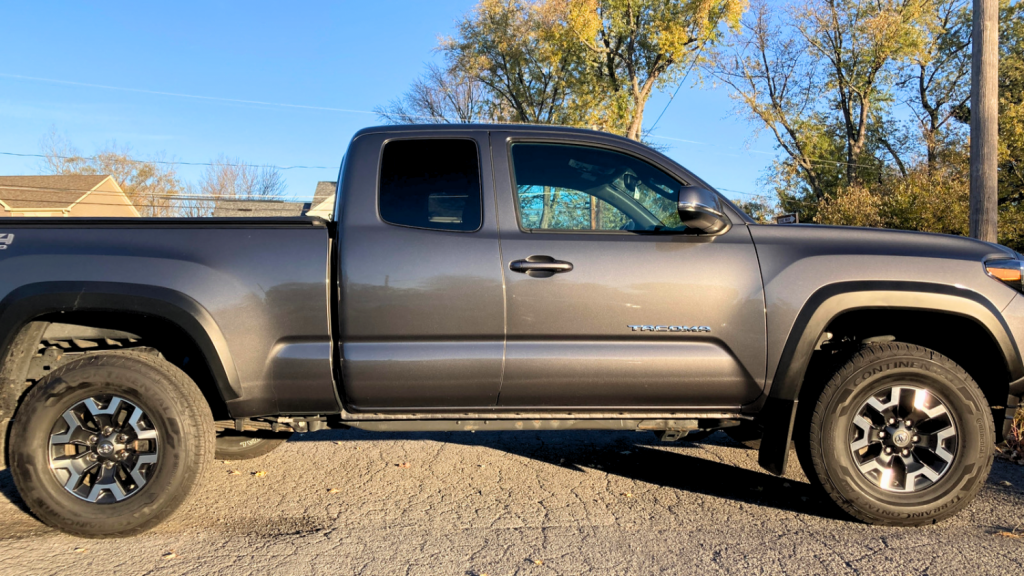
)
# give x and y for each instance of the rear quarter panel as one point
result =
(265, 287)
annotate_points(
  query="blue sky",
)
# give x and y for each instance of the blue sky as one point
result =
(339, 55)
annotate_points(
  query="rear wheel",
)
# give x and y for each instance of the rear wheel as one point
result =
(233, 445)
(901, 435)
(111, 444)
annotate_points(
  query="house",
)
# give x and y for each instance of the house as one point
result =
(323, 200)
(64, 195)
(257, 208)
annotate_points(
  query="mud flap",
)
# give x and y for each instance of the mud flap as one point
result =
(777, 419)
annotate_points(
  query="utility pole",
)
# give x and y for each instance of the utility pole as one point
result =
(984, 119)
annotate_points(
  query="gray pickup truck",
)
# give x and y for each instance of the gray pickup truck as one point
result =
(501, 278)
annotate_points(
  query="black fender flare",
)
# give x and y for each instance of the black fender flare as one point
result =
(31, 301)
(778, 415)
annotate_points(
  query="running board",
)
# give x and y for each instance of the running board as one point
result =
(348, 417)
(679, 427)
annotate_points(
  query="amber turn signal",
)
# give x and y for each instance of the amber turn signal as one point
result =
(1009, 271)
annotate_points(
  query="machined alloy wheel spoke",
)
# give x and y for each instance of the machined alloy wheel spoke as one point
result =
(903, 439)
(103, 449)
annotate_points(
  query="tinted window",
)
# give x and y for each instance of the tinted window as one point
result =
(579, 188)
(431, 184)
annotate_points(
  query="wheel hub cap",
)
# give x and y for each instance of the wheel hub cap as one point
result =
(903, 439)
(103, 449)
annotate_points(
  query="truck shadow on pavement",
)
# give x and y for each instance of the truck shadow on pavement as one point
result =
(638, 457)
(8, 490)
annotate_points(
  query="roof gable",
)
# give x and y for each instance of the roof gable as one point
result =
(58, 192)
(324, 190)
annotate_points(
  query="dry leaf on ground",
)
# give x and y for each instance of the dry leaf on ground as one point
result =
(333, 491)
(260, 474)
(403, 465)
(81, 550)
(169, 555)
(234, 473)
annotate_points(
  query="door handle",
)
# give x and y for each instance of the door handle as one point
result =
(540, 266)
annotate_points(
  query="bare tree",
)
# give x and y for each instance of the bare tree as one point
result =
(439, 96)
(228, 178)
(151, 185)
(232, 178)
(59, 155)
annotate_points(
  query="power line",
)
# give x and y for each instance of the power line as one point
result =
(211, 98)
(676, 91)
(350, 111)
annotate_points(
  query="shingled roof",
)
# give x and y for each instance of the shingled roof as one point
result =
(257, 208)
(324, 190)
(46, 192)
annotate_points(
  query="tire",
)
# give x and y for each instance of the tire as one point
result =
(125, 414)
(864, 410)
(239, 446)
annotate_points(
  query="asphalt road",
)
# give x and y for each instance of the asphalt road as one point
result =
(531, 503)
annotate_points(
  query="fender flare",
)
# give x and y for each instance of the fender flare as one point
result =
(31, 301)
(778, 415)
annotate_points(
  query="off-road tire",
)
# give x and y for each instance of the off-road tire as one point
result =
(239, 446)
(825, 452)
(173, 403)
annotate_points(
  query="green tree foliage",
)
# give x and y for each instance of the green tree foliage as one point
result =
(589, 63)
(1011, 126)
(868, 101)
(641, 45)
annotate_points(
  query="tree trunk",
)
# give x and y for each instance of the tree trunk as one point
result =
(984, 119)
(547, 214)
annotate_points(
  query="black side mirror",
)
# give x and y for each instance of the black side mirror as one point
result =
(701, 209)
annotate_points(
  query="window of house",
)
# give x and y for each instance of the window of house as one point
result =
(578, 188)
(431, 183)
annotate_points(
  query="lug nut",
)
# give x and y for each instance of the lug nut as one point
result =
(906, 452)
(108, 464)
(122, 438)
(93, 457)
(908, 423)
(888, 450)
(121, 455)
(107, 431)
(93, 439)
(881, 434)
(892, 421)
(914, 439)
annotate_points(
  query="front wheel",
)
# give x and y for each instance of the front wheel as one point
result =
(901, 436)
(111, 444)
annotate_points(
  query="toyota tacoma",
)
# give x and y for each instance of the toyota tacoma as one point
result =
(501, 278)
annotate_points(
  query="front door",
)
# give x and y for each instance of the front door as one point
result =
(610, 302)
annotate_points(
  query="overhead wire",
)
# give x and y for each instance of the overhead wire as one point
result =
(357, 111)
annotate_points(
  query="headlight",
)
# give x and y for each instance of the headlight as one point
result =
(1009, 271)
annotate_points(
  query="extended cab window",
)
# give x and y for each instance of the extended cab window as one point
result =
(431, 183)
(562, 187)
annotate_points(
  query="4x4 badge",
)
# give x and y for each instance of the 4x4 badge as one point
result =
(649, 328)
(5, 240)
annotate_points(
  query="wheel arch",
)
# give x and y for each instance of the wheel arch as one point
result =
(830, 303)
(32, 302)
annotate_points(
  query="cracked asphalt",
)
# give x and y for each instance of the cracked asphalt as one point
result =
(529, 503)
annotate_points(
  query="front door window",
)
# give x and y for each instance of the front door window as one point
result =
(577, 188)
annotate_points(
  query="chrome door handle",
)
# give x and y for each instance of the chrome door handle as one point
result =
(540, 266)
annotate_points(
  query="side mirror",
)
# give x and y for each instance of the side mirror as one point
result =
(700, 209)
